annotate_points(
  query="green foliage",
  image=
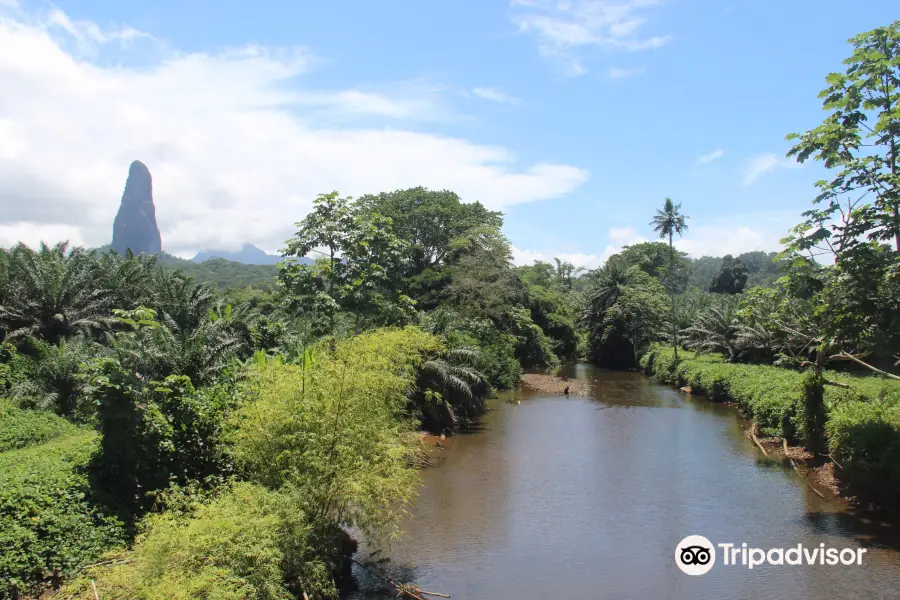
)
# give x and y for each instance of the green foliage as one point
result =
(864, 437)
(223, 274)
(449, 391)
(245, 543)
(20, 428)
(360, 251)
(333, 426)
(154, 432)
(811, 414)
(430, 222)
(859, 140)
(860, 425)
(49, 522)
(51, 293)
(730, 278)
(626, 312)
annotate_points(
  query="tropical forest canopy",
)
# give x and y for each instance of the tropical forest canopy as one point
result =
(256, 413)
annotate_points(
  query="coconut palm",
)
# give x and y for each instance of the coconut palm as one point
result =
(666, 223)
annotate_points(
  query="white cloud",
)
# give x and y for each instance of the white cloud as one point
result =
(528, 257)
(737, 234)
(708, 158)
(758, 166)
(623, 236)
(14, 4)
(617, 73)
(495, 96)
(237, 146)
(618, 238)
(563, 26)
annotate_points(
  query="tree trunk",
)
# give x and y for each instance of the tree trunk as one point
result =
(331, 293)
(672, 296)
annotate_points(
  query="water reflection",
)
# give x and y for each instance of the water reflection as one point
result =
(587, 497)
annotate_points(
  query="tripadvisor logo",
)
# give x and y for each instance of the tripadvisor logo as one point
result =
(696, 555)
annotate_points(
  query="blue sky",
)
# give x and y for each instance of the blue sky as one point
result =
(575, 117)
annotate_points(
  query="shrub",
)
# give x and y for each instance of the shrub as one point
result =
(154, 432)
(864, 437)
(334, 427)
(247, 543)
(48, 522)
(20, 428)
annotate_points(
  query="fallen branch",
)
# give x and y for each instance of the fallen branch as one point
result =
(866, 365)
(401, 588)
(756, 440)
(94, 589)
(793, 464)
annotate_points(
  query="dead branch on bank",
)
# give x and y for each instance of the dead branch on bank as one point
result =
(848, 356)
(405, 589)
(793, 464)
(756, 440)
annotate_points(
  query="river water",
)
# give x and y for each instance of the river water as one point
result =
(588, 497)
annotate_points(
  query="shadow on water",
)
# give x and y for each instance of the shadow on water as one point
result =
(588, 497)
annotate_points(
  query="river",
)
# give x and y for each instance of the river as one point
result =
(587, 497)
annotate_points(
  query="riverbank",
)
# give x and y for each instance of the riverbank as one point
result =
(859, 423)
(550, 384)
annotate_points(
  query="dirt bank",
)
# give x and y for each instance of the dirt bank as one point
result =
(818, 470)
(554, 385)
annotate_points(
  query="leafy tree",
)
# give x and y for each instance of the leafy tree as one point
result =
(860, 140)
(731, 278)
(360, 251)
(671, 267)
(667, 222)
(430, 222)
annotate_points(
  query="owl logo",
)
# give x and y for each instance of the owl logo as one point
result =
(695, 555)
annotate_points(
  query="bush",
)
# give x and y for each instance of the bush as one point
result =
(864, 437)
(334, 426)
(247, 543)
(155, 432)
(48, 522)
(20, 428)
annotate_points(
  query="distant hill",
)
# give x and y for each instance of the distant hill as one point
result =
(248, 254)
(223, 273)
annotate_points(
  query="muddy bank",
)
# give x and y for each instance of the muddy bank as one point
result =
(550, 384)
(819, 471)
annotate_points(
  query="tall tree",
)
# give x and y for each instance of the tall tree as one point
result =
(731, 277)
(360, 250)
(666, 223)
(860, 139)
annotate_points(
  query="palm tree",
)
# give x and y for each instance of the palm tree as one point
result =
(453, 386)
(52, 294)
(668, 222)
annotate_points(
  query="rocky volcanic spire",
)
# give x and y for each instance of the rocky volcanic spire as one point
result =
(135, 224)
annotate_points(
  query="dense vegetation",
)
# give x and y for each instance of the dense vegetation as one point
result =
(127, 387)
(218, 428)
